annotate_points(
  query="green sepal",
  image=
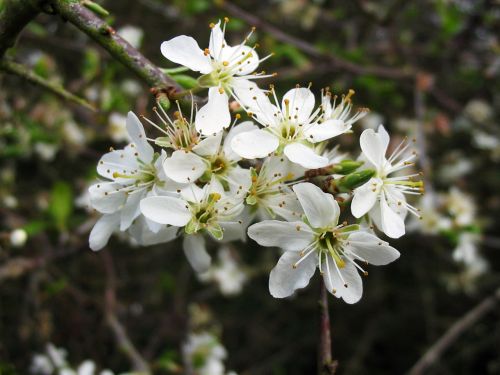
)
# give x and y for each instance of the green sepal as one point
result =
(347, 166)
(206, 80)
(190, 227)
(353, 180)
(163, 142)
(216, 231)
(185, 81)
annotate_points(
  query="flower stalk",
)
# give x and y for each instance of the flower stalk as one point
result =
(326, 364)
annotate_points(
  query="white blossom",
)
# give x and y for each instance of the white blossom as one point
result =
(383, 196)
(291, 128)
(318, 241)
(226, 70)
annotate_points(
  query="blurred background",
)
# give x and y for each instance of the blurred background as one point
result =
(427, 69)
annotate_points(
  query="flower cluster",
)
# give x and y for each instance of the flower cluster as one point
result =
(274, 176)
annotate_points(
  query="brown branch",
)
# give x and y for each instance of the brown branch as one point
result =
(119, 331)
(97, 29)
(326, 365)
(19, 70)
(434, 353)
(14, 16)
(379, 71)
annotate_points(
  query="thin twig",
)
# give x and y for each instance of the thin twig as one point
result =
(21, 71)
(434, 353)
(379, 71)
(326, 366)
(96, 28)
(121, 336)
(14, 16)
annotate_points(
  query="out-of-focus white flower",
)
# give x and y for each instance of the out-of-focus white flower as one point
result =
(485, 141)
(204, 355)
(228, 275)
(47, 151)
(53, 362)
(131, 87)
(461, 206)
(478, 110)
(10, 201)
(290, 128)
(18, 237)
(117, 128)
(320, 242)
(455, 169)
(383, 196)
(131, 34)
(226, 70)
(73, 134)
(431, 220)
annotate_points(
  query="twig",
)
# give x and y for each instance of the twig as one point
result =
(380, 71)
(14, 16)
(19, 70)
(326, 366)
(121, 336)
(434, 353)
(89, 23)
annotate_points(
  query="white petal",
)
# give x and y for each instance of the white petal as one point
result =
(209, 146)
(384, 137)
(301, 104)
(136, 132)
(217, 42)
(285, 279)
(326, 130)
(118, 163)
(144, 236)
(247, 56)
(254, 144)
(184, 166)
(372, 147)
(213, 116)
(131, 209)
(294, 236)
(372, 249)
(196, 252)
(392, 224)
(321, 209)
(245, 126)
(304, 156)
(166, 210)
(365, 197)
(354, 290)
(185, 51)
(102, 230)
(106, 198)
(255, 100)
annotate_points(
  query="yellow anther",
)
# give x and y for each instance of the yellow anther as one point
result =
(206, 52)
(226, 19)
(225, 63)
(221, 90)
(211, 25)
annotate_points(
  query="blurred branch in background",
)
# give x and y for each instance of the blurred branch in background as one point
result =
(434, 353)
(30, 76)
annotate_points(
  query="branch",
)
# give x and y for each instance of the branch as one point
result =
(14, 16)
(119, 48)
(380, 71)
(326, 365)
(433, 354)
(121, 336)
(19, 70)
